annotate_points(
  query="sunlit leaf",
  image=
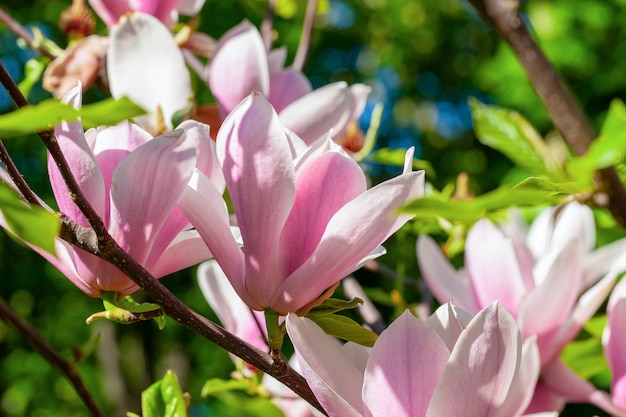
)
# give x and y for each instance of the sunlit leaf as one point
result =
(164, 398)
(217, 385)
(608, 149)
(51, 112)
(585, 357)
(508, 132)
(32, 224)
(345, 328)
(334, 305)
(531, 192)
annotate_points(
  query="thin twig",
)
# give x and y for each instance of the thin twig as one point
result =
(306, 36)
(98, 241)
(567, 115)
(267, 25)
(20, 32)
(51, 355)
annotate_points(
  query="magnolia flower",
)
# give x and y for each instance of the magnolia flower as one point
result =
(165, 10)
(448, 365)
(145, 64)
(614, 341)
(133, 182)
(79, 62)
(549, 278)
(248, 325)
(305, 223)
(241, 64)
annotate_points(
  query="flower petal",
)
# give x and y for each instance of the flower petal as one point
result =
(564, 382)
(614, 341)
(404, 367)
(239, 67)
(204, 206)
(442, 279)
(547, 308)
(145, 189)
(481, 367)
(333, 378)
(139, 45)
(234, 314)
(323, 186)
(357, 229)
(80, 159)
(260, 176)
(287, 86)
(317, 113)
(187, 249)
(449, 321)
(493, 267)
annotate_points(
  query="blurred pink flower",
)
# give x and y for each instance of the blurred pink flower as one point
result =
(81, 61)
(133, 181)
(242, 64)
(305, 216)
(549, 278)
(614, 341)
(165, 10)
(448, 365)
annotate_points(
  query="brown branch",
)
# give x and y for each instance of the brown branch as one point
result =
(306, 36)
(20, 32)
(51, 355)
(567, 115)
(99, 242)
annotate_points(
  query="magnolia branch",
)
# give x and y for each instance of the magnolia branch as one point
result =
(98, 241)
(307, 35)
(567, 115)
(20, 32)
(51, 355)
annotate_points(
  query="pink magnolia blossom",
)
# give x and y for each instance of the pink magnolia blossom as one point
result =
(614, 341)
(448, 365)
(248, 325)
(549, 278)
(242, 64)
(133, 181)
(145, 64)
(305, 216)
(165, 10)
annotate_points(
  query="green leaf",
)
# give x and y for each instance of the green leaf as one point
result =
(508, 132)
(51, 112)
(531, 192)
(33, 224)
(585, 357)
(334, 305)
(608, 149)
(164, 398)
(390, 156)
(345, 328)
(217, 385)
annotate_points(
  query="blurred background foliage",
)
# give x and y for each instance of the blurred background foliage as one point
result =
(423, 60)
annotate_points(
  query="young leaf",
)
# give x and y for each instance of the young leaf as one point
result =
(164, 398)
(217, 385)
(345, 328)
(51, 112)
(33, 224)
(508, 132)
(531, 192)
(334, 305)
(608, 149)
